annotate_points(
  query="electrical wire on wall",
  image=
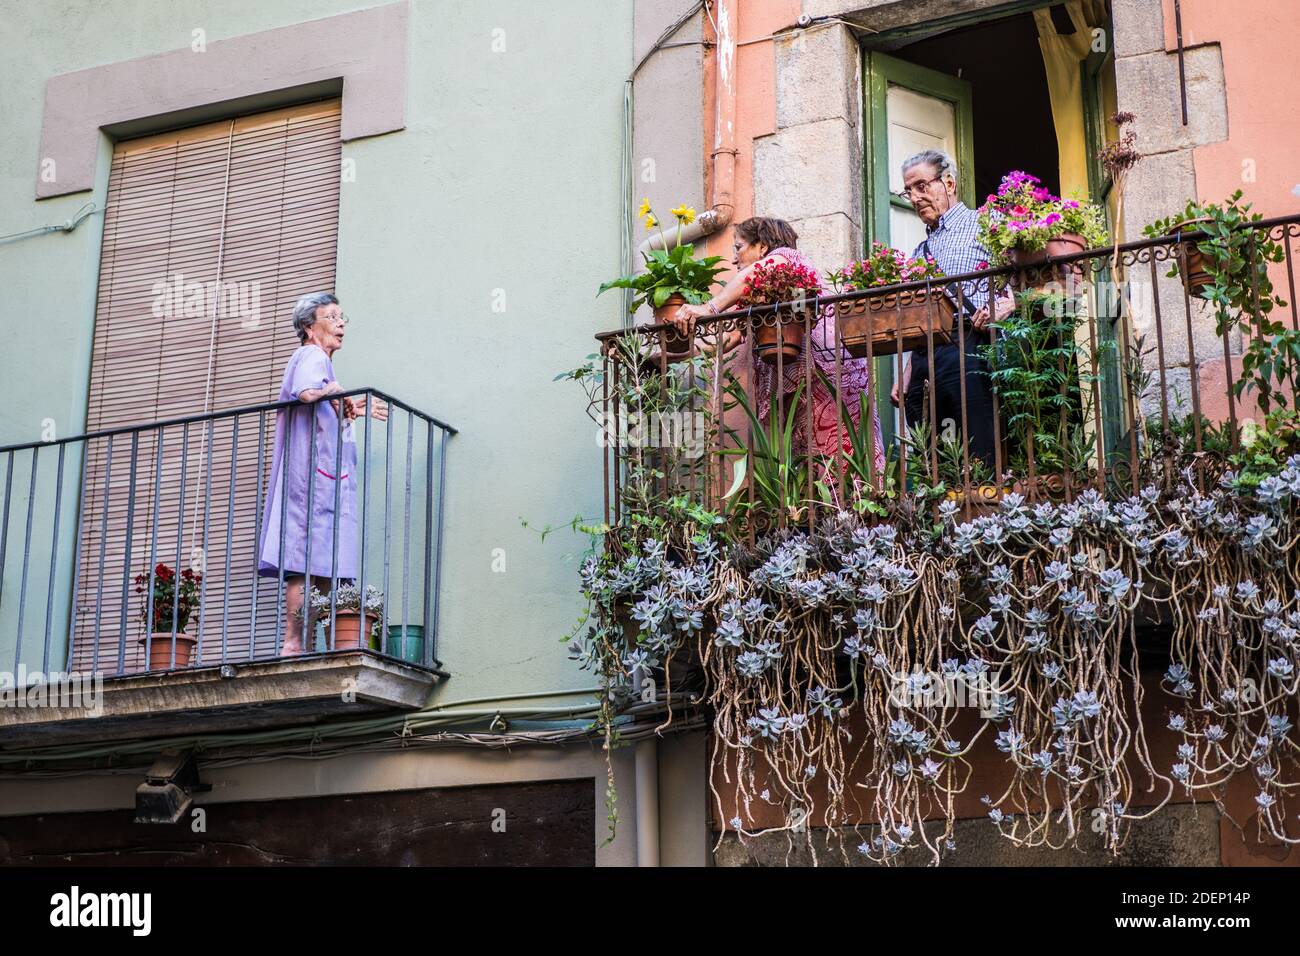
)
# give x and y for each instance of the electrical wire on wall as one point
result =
(459, 724)
(80, 216)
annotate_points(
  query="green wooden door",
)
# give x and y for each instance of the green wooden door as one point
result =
(908, 108)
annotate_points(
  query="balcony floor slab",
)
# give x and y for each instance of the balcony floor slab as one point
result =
(239, 697)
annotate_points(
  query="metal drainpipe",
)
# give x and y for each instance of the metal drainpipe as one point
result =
(717, 217)
(647, 803)
(646, 772)
(723, 155)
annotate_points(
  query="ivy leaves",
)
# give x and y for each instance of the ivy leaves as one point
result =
(1236, 255)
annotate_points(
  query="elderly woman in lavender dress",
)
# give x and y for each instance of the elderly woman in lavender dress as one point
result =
(309, 375)
(761, 239)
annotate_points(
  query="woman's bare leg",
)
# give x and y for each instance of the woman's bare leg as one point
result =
(293, 601)
(294, 597)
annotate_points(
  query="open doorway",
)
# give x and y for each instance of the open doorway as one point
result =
(1010, 105)
(1026, 88)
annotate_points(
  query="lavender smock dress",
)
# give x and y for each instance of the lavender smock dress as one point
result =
(310, 368)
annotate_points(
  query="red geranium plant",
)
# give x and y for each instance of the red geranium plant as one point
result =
(165, 596)
(771, 282)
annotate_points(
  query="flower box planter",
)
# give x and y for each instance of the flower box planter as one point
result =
(893, 323)
(160, 650)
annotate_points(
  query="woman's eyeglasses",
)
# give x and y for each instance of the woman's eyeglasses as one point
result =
(341, 318)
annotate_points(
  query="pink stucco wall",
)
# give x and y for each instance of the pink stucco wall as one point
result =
(1258, 40)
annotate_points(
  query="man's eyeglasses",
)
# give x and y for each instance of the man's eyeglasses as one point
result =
(916, 189)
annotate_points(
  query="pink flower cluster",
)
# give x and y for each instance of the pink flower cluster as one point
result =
(1023, 203)
(1024, 215)
(884, 266)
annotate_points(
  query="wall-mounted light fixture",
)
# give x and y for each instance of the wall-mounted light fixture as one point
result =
(169, 787)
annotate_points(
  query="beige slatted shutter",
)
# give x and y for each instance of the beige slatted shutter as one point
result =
(249, 206)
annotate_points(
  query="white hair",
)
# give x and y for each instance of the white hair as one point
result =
(943, 163)
(304, 311)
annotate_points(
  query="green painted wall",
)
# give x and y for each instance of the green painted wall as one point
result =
(506, 177)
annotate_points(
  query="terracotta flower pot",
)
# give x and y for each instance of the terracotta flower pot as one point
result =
(1066, 244)
(782, 340)
(350, 631)
(1196, 276)
(160, 650)
(673, 342)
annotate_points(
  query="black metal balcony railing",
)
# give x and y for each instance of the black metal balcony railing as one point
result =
(1120, 394)
(103, 521)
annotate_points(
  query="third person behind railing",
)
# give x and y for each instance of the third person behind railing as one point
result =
(308, 523)
(951, 239)
(767, 240)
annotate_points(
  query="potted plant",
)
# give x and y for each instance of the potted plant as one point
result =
(672, 277)
(1023, 223)
(1196, 276)
(780, 335)
(777, 473)
(1033, 365)
(172, 601)
(1220, 253)
(901, 321)
(1229, 268)
(1117, 158)
(409, 648)
(353, 623)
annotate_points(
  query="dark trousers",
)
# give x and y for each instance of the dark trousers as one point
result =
(946, 380)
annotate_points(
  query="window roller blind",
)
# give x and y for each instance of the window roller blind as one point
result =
(210, 235)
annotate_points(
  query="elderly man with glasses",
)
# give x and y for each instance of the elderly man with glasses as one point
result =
(952, 240)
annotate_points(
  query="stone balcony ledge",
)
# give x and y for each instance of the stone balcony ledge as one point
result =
(256, 695)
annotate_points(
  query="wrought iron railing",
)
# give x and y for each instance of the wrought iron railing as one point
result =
(1130, 390)
(100, 532)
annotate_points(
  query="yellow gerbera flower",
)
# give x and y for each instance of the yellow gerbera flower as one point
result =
(685, 213)
(645, 207)
(651, 222)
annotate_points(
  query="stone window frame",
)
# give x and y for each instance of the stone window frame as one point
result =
(362, 55)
